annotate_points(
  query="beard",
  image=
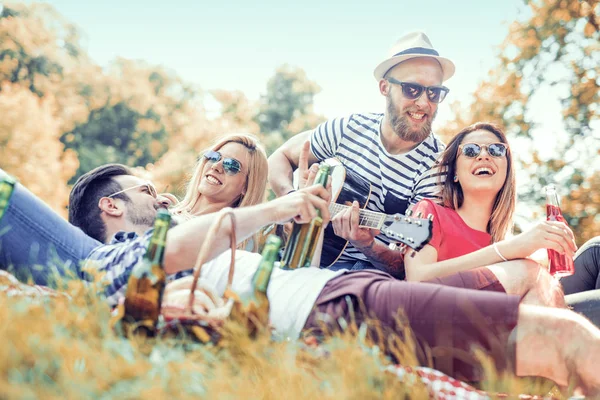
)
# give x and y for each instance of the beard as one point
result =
(401, 125)
(139, 217)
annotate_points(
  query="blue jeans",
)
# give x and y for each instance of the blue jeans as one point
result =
(587, 269)
(586, 303)
(36, 243)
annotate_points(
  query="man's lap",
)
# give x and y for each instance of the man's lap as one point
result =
(439, 316)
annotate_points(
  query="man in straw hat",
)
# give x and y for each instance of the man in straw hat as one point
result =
(395, 150)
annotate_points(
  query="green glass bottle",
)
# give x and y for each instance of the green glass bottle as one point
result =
(146, 284)
(7, 185)
(262, 276)
(257, 305)
(302, 242)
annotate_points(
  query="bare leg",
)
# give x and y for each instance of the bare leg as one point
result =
(527, 278)
(558, 344)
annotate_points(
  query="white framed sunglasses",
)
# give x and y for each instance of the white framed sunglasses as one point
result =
(148, 187)
(472, 150)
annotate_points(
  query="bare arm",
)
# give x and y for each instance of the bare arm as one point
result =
(185, 240)
(285, 160)
(424, 265)
(549, 235)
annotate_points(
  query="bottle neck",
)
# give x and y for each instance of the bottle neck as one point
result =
(321, 179)
(552, 198)
(156, 249)
(262, 277)
(552, 203)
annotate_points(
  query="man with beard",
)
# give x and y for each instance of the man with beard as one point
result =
(38, 244)
(394, 151)
(109, 199)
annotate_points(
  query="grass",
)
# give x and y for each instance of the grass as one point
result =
(59, 348)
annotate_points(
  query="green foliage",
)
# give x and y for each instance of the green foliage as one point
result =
(111, 134)
(287, 107)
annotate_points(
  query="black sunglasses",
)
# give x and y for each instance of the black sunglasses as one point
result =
(473, 150)
(231, 166)
(412, 91)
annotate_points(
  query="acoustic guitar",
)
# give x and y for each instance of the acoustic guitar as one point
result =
(347, 186)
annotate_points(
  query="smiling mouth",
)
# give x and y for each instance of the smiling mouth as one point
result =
(417, 115)
(213, 180)
(484, 171)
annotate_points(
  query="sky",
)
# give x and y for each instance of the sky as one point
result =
(238, 45)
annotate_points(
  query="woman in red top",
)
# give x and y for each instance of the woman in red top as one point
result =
(468, 247)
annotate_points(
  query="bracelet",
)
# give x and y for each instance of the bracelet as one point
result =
(495, 246)
(291, 191)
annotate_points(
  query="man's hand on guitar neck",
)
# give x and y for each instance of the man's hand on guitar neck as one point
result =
(346, 225)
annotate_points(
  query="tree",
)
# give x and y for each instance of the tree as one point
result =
(553, 50)
(29, 145)
(134, 109)
(37, 46)
(287, 107)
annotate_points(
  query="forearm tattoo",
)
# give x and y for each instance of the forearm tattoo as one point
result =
(384, 258)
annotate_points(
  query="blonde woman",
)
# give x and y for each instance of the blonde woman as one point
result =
(231, 173)
(468, 247)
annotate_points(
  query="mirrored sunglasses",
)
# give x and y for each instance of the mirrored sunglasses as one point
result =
(231, 166)
(147, 187)
(412, 91)
(473, 150)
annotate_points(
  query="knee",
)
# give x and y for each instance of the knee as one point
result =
(538, 281)
(527, 271)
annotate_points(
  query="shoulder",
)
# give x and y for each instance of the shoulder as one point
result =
(124, 245)
(432, 147)
(428, 206)
(425, 206)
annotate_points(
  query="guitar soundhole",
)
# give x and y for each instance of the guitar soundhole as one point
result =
(394, 205)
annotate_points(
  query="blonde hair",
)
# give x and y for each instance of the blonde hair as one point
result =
(500, 222)
(256, 179)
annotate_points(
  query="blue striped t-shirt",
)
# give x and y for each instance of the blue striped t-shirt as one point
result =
(397, 181)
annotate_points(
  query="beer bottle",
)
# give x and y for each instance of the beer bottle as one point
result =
(258, 303)
(316, 225)
(7, 185)
(302, 242)
(147, 282)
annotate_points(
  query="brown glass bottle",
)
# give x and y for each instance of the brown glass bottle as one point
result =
(302, 242)
(147, 281)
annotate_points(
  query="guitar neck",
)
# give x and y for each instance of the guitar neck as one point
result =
(366, 218)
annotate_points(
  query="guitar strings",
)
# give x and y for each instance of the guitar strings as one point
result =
(370, 219)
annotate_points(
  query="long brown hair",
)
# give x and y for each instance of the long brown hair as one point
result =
(504, 207)
(256, 181)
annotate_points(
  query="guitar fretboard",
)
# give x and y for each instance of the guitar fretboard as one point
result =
(366, 218)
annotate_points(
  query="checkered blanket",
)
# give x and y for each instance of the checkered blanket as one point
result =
(11, 287)
(443, 387)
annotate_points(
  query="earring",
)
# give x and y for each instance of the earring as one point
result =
(455, 178)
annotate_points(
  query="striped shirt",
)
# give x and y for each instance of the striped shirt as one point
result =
(116, 261)
(397, 181)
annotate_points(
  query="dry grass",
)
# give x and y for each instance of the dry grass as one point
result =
(64, 349)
